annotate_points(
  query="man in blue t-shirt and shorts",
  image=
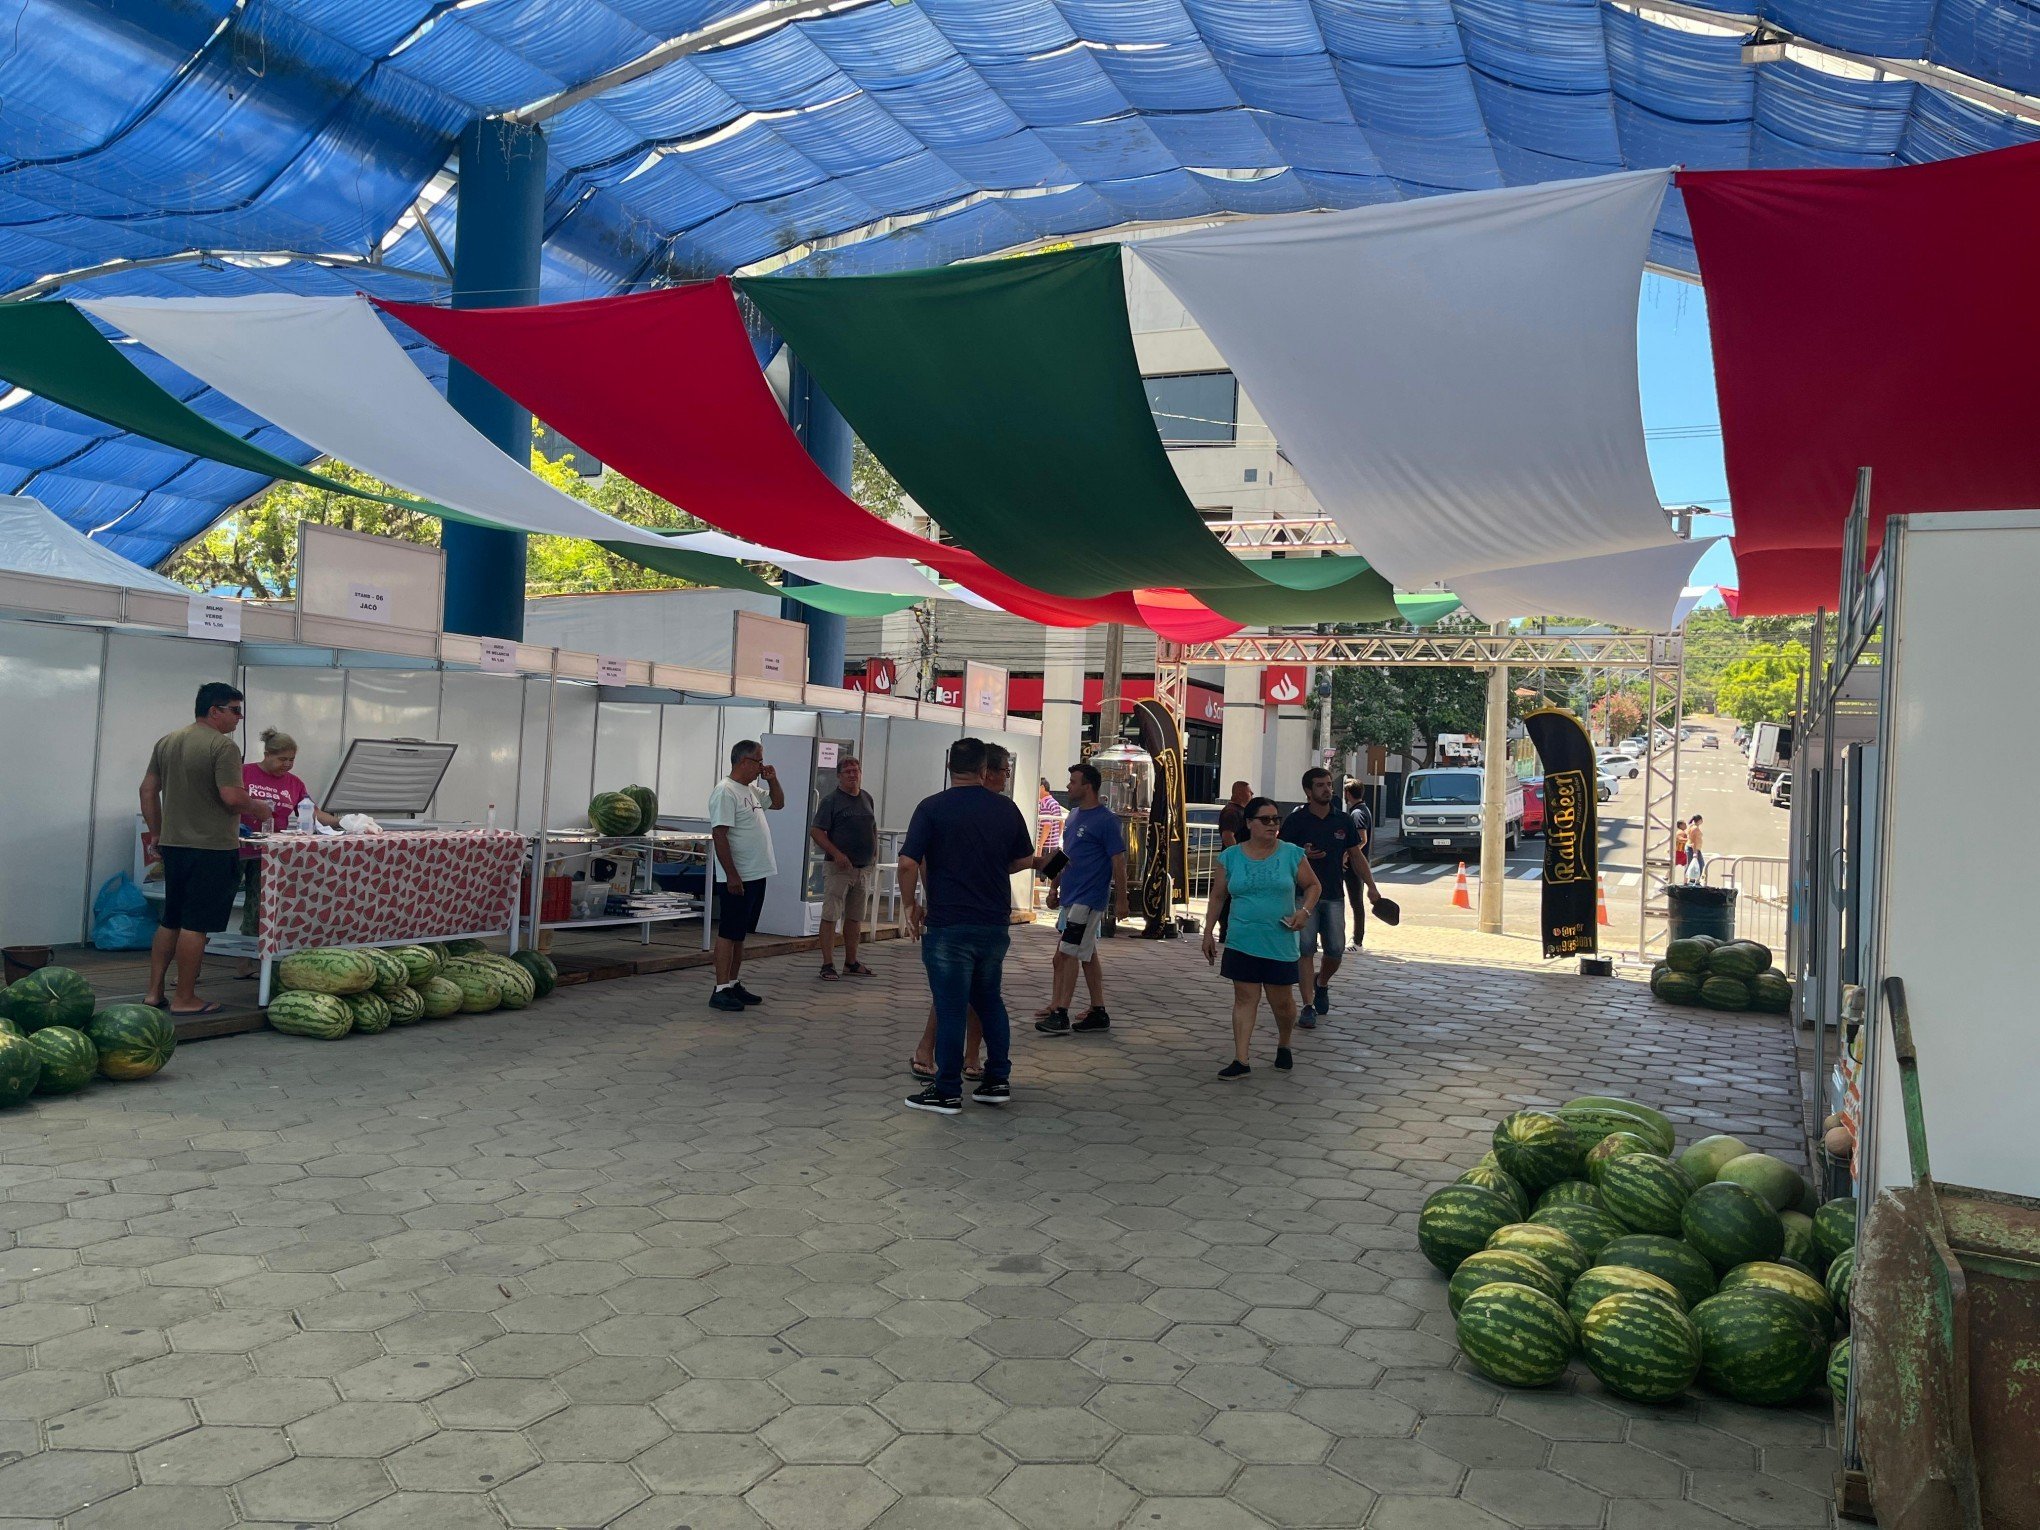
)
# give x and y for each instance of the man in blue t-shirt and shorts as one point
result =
(1331, 843)
(1095, 842)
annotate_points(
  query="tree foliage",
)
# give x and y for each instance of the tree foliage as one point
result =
(1392, 706)
(1763, 684)
(1715, 640)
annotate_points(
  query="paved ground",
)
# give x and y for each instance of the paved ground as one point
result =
(618, 1261)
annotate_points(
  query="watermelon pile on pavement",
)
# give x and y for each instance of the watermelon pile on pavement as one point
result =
(55, 1040)
(1655, 1267)
(341, 991)
(1721, 974)
(49, 996)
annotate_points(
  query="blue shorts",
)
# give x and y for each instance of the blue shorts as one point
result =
(1327, 922)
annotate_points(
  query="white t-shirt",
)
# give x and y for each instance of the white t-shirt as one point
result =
(741, 809)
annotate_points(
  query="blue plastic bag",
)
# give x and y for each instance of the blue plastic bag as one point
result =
(122, 919)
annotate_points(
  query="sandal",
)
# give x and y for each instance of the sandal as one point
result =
(857, 969)
(829, 973)
(974, 1075)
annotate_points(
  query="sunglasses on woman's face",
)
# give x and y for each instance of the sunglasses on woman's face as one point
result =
(1266, 818)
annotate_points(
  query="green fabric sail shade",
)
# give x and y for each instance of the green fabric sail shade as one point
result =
(1006, 398)
(54, 351)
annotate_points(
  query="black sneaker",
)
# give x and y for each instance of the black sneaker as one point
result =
(1283, 1060)
(1234, 1069)
(1307, 1018)
(1324, 1000)
(725, 998)
(1095, 1019)
(989, 1093)
(933, 1099)
(1055, 1023)
(745, 994)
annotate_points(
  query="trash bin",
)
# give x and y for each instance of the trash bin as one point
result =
(1701, 911)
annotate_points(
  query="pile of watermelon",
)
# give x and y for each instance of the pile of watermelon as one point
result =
(633, 810)
(1581, 1235)
(54, 1038)
(1721, 974)
(338, 990)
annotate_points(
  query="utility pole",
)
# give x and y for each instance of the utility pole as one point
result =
(1111, 684)
(1494, 800)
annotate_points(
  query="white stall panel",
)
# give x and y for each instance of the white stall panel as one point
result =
(914, 767)
(305, 703)
(50, 678)
(151, 684)
(573, 763)
(481, 713)
(799, 722)
(626, 745)
(690, 756)
(392, 703)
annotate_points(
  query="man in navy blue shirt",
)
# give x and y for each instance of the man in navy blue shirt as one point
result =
(1095, 842)
(1331, 842)
(965, 843)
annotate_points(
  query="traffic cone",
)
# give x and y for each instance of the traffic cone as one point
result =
(1461, 898)
(1600, 902)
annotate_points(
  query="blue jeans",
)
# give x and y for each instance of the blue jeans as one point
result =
(965, 963)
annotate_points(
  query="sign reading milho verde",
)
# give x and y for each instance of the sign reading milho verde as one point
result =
(1571, 831)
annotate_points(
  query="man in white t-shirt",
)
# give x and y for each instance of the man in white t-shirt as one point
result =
(744, 859)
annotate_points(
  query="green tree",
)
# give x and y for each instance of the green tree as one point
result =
(1715, 640)
(1763, 684)
(1394, 705)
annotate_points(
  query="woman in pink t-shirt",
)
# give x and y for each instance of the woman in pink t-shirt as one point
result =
(273, 796)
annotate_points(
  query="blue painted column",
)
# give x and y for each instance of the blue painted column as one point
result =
(828, 439)
(498, 232)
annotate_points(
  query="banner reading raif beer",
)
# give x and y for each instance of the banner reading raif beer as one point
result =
(1168, 815)
(1571, 831)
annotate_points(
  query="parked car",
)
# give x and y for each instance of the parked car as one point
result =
(1633, 747)
(1710, 741)
(1781, 791)
(1618, 762)
(1533, 806)
(1604, 788)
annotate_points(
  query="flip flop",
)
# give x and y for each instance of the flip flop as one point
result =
(193, 1014)
(829, 973)
(925, 1075)
(857, 969)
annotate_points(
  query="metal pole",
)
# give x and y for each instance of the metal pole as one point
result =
(827, 437)
(1110, 686)
(498, 234)
(1493, 824)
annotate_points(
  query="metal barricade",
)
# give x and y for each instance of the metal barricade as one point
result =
(1200, 851)
(1763, 894)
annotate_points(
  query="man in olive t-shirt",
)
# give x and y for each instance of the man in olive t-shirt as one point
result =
(192, 797)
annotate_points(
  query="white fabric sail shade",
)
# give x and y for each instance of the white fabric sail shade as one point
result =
(1455, 378)
(330, 373)
(1644, 588)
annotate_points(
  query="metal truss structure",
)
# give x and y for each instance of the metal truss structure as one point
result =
(1659, 660)
(1319, 534)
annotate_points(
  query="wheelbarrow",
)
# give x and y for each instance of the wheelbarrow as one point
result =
(1945, 1356)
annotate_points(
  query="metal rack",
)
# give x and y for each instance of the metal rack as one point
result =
(553, 848)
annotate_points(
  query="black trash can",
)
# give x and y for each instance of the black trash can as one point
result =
(1701, 911)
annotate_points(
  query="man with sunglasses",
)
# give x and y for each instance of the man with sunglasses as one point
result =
(192, 800)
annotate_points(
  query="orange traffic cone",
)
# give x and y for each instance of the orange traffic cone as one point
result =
(1600, 902)
(1461, 898)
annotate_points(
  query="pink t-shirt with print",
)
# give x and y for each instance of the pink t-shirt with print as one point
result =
(272, 800)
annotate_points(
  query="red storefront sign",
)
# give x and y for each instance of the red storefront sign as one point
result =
(880, 677)
(1283, 684)
(1202, 703)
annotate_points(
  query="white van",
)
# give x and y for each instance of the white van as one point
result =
(1441, 811)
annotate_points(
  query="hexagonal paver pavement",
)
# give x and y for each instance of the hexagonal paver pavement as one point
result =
(612, 1262)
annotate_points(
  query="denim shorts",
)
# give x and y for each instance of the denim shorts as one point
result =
(1327, 922)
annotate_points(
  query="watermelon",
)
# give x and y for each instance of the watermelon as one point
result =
(300, 1012)
(1590, 1123)
(1771, 993)
(463, 948)
(1834, 1227)
(612, 813)
(1499, 1266)
(369, 1013)
(1838, 1369)
(20, 1069)
(1687, 955)
(647, 802)
(1679, 1264)
(1725, 993)
(7, 1026)
(1488, 1177)
(517, 985)
(1731, 1225)
(1743, 959)
(390, 971)
(1589, 1226)
(480, 992)
(1677, 987)
(420, 962)
(69, 1059)
(1557, 1250)
(1645, 1192)
(1786, 1281)
(133, 1040)
(1660, 1124)
(1771, 1178)
(1614, 1145)
(50, 996)
(1841, 1278)
(331, 971)
(407, 1006)
(441, 997)
(1458, 1220)
(1703, 1160)
(1758, 1346)
(1516, 1335)
(1538, 1150)
(1798, 1237)
(545, 977)
(1570, 1192)
(1606, 1279)
(1640, 1347)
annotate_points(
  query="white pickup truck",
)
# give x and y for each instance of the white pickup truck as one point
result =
(1441, 811)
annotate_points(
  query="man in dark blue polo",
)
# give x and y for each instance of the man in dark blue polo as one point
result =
(1331, 843)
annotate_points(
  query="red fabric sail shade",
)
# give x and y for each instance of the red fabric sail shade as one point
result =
(664, 387)
(1867, 318)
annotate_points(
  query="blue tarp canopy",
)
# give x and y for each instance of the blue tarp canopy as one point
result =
(879, 136)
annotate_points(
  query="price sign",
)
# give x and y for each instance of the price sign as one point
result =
(773, 665)
(368, 603)
(826, 756)
(216, 619)
(498, 655)
(610, 671)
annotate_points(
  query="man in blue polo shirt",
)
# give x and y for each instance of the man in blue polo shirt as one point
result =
(1331, 843)
(1095, 842)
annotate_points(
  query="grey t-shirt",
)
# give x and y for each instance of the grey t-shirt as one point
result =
(851, 824)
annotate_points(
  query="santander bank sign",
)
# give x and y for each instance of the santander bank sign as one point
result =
(1282, 684)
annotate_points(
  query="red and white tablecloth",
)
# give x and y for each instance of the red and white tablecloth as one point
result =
(358, 889)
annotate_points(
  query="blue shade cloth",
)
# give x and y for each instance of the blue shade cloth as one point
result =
(154, 127)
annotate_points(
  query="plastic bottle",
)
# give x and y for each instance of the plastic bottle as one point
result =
(492, 815)
(307, 816)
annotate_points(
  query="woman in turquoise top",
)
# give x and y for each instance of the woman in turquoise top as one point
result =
(1264, 890)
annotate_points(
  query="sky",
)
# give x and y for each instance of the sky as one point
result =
(1681, 426)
